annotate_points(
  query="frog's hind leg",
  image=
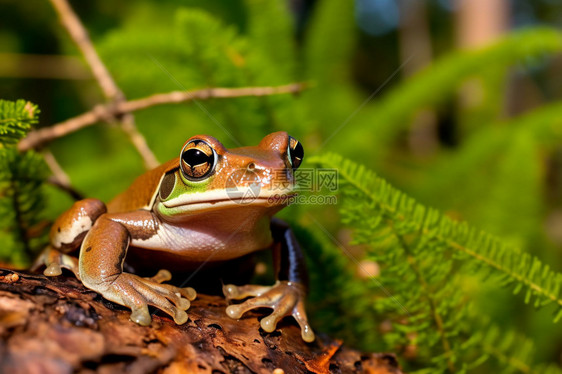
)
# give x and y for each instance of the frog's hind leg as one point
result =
(286, 297)
(66, 235)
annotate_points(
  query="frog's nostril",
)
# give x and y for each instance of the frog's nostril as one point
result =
(251, 166)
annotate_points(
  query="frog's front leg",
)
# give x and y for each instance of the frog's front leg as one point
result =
(287, 296)
(66, 235)
(101, 269)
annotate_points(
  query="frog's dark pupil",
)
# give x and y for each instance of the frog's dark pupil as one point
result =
(194, 157)
(298, 152)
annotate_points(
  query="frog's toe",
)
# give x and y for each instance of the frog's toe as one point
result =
(163, 275)
(281, 308)
(52, 270)
(161, 292)
(137, 293)
(285, 298)
(299, 314)
(232, 292)
(55, 261)
(236, 311)
(187, 293)
(168, 302)
(141, 316)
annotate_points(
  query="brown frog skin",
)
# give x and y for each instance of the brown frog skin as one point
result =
(187, 212)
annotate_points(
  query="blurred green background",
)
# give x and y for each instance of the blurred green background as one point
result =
(457, 103)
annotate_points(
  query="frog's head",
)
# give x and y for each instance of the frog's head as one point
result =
(209, 177)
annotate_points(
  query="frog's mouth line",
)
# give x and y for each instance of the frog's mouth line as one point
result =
(272, 199)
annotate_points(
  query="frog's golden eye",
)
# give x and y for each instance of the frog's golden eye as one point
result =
(197, 160)
(295, 152)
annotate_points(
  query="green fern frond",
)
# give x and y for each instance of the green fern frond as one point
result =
(21, 202)
(339, 313)
(525, 271)
(422, 254)
(16, 119)
(21, 178)
(512, 351)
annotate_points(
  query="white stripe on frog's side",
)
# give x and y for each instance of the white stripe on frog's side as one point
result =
(66, 236)
(199, 244)
(181, 239)
(155, 194)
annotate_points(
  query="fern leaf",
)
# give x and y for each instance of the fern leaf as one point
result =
(483, 249)
(16, 119)
(21, 177)
(21, 203)
(512, 351)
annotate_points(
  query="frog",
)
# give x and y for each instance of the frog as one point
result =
(209, 205)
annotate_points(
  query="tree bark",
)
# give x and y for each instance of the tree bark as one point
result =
(56, 325)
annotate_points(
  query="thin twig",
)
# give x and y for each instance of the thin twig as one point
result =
(106, 112)
(59, 178)
(80, 36)
(138, 140)
(112, 92)
(205, 94)
(56, 169)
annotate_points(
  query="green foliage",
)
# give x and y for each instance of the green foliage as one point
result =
(513, 352)
(328, 50)
(197, 50)
(499, 173)
(21, 178)
(508, 156)
(421, 252)
(437, 84)
(273, 50)
(339, 298)
(16, 119)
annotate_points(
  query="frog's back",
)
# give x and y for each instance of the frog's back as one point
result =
(142, 192)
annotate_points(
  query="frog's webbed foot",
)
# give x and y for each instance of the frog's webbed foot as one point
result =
(137, 293)
(285, 298)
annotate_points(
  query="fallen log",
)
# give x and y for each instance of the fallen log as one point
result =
(56, 325)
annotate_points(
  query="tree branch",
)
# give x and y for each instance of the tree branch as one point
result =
(112, 92)
(207, 93)
(106, 112)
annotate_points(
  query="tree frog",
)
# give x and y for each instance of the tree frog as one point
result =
(210, 204)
